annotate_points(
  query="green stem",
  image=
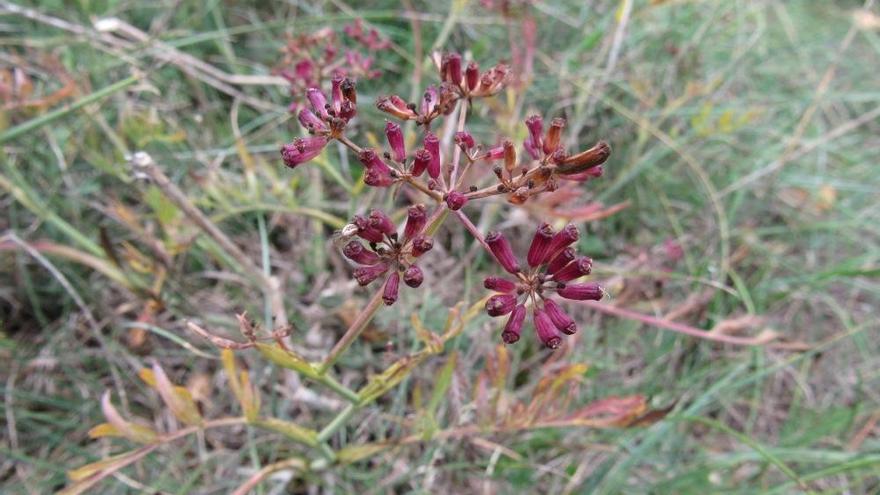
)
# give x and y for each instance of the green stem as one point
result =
(339, 388)
(337, 423)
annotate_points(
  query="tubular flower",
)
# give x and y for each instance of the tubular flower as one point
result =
(324, 121)
(552, 266)
(387, 252)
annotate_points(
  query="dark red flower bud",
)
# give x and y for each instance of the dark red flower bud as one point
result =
(509, 156)
(554, 135)
(576, 269)
(395, 141)
(366, 274)
(564, 238)
(559, 318)
(531, 149)
(311, 122)
(546, 330)
(356, 252)
(413, 276)
(472, 75)
(540, 243)
(371, 160)
(421, 245)
(494, 153)
(464, 140)
(455, 200)
(302, 150)
(420, 162)
(415, 220)
(582, 292)
(513, 327)
(453, 68)
(336, 92)
(395, 106)
(535, 125)
(501, 249)
(499, 284)
(585, 160)
(319, 102)
(392, 286)
(429, 100)
(381, 222)
(432, 144)
(561, 260)
(365, 230)
(378, 178)
(500, 304)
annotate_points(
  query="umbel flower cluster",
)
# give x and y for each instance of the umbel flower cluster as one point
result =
(380, 252)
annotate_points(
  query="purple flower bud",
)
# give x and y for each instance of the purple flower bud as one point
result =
(395, 141)
(318, 101)
(576, 269)
(500, 304)
(536, 129)
(513, 327)
(455, 200)
(472, 75)
(494, 153)
(501, 249)
(311, 122)
(432, 144)
(533, 151)
(554, 135)
(464, 140)
(429, 100)
(378, 178)
(421, 245)
(381, 222)
(538, 249)
(415, 220)
(561, 260)
(420, 162)
(392, 286)
(561, 320)
(499, 284)
(582, 292)
(564, 238)
(413, 276)
(453, 68)
(371, 160)
(365, 230)
(546, 330)
(366, 274)
(395, 106)
(356, 252)
(302, 150)
(336, 92)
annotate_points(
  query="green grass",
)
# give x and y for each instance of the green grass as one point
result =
(703, 109)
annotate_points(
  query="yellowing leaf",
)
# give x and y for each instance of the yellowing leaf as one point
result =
(291, 430)
(104, 430)
(178, 399)
(132, 431)
(287, 359)
(240, 384)
(356, 453)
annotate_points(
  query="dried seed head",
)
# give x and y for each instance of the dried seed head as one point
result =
(509, 156)
(501, 304)
(499, 284)
(349, 90)
(546, 330)
(540, 242)
(502, 251)
(554, 135)
(392, 287)
(585, 160)
(413, 276)
(513, 327)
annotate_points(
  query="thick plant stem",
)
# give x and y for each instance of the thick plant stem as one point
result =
(358, 326)
(337, 423)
